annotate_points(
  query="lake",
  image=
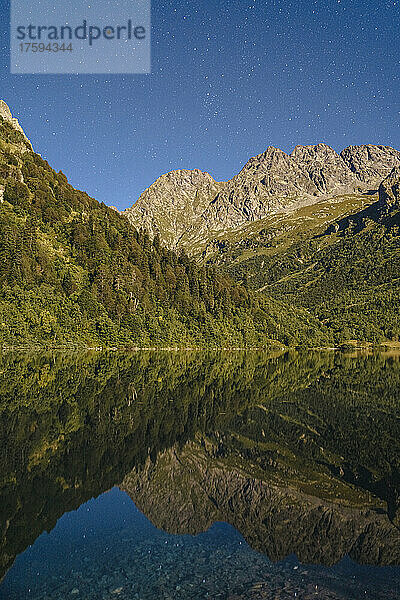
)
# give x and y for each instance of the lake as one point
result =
(188, 474)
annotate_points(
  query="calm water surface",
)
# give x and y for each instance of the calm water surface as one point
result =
(232, 475)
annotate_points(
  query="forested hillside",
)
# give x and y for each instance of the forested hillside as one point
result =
(75, 272)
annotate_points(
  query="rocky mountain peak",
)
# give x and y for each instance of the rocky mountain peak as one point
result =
(325, 168)
(370, 163)
(271, 157)
(316, 154)
(173, 203)
(178, 187)
(186, 177)
(271, 153)
(312, 151)
(189, 207)
(5, 112)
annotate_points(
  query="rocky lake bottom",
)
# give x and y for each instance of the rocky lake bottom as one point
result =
(107, 550)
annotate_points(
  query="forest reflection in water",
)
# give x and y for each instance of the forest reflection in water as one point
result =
(299, 452)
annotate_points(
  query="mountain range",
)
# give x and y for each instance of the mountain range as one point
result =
(295, 249)
(74, 272)
(188, 208)
(314, 228)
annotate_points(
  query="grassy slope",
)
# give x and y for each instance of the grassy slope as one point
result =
(335, 258)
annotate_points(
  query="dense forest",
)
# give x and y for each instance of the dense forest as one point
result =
(75, 272)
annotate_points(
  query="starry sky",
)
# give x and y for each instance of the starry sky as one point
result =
(229, 78)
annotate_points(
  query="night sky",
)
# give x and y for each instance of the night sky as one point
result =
(228, 79)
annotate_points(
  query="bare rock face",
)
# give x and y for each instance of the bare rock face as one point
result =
(267, 184)
(173, 204)
(325, 169)
(369, 163)
(275, 181)
(5, 112)
(389, 190)
(188, 207)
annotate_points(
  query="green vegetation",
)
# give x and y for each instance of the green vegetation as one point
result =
(338, 260)
(73, 272)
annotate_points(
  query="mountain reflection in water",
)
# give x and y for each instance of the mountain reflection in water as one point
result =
(299, 452)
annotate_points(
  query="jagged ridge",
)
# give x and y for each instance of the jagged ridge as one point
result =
(187, 208)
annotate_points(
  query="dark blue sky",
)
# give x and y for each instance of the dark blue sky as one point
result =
(228, 79)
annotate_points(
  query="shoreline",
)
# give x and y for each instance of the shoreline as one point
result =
(345, 347)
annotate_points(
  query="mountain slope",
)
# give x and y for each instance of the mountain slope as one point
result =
(75, 272)
(310, 232)
(341, 261)
(189, 194)
(189, 209)
(313, 229)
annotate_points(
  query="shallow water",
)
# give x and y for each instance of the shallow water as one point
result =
(215, 475)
